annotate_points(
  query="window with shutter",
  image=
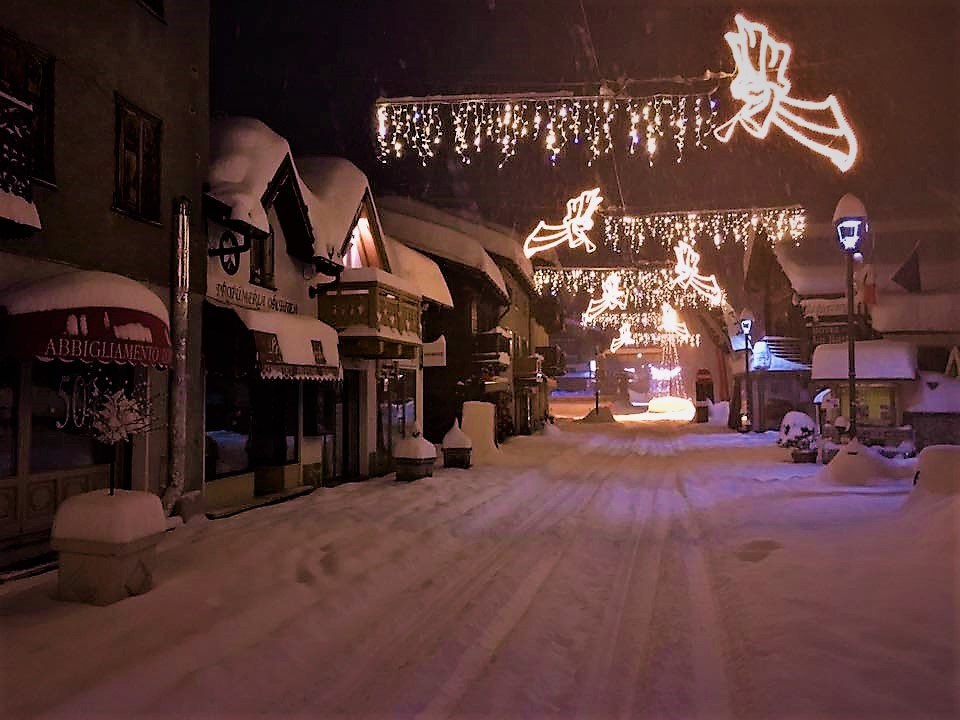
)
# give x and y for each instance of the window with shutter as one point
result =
(137, 187)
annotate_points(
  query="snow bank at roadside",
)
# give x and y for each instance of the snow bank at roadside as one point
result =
(857, 464)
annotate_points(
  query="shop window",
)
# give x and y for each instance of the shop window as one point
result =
(227, 425)
(26, 74)
(262, 260)
(9, 376)
(137, 176)
(61, 414)
(275, 421)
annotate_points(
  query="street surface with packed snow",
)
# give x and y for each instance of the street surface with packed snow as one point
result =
(594, 571)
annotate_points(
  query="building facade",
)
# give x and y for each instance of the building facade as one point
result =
(104, 144)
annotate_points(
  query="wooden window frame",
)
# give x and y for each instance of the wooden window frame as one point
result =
(37, 90)
(262, 248)
(147, 206)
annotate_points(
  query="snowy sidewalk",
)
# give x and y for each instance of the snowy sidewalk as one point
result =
(598, 572)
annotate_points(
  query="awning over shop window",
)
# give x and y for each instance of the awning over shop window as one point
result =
(88, 316)
(292, 347)
(875, 360)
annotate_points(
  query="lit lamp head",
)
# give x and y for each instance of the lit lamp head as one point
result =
(746, 321)
(850, 220)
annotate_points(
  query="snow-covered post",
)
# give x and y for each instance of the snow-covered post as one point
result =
(179, 313)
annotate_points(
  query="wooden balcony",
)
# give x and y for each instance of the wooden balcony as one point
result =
(374, 320)
(529, 368)
(554, 360)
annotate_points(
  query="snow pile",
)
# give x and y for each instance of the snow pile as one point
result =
(916, 312)
(793, 425)
(551, 430)
(603, 415)
(415, 447)
(98, 516)
(933, 393)
(478, 424)
(938, 470)
(857, 464)
(719, 412)
(875, 360)
(82, 288)
(456, 439)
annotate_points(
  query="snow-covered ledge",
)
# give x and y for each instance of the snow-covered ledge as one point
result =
(107, 545)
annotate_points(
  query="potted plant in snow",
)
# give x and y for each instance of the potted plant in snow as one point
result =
(107, 538)
(803, 446)
(414, 456)
(457, 447)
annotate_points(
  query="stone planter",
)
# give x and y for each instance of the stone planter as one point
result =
(456, 457)
(409, 469)
(107, 545)
(804, 456)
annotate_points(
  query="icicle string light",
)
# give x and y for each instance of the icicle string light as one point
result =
(419, 127)
(666, 230)
(645, 288)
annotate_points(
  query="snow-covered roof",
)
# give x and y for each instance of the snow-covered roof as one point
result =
(875, 360)
(368, 274)
(495, 239)
(824, 307)
(338, 187)
(933, 393)
(294, 334)
(818, 267)
(245, 155)
(418, 269)
(764, 358)
(82, 288)
(916, 312)
(441, 241)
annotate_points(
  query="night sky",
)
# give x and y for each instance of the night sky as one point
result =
(312, 70)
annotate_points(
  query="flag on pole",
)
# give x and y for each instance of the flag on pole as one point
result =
(908, 276)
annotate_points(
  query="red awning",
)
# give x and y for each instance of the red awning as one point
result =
(88, 316)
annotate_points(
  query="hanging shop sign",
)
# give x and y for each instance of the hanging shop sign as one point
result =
(92, 334)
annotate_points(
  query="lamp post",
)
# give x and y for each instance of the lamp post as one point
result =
(746, 325)
(596, 384)
(850, 221)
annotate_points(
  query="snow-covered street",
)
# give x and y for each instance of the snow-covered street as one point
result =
(596, 571)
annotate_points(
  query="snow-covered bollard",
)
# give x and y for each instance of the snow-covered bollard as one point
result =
(456, 447)
(414, 457)
(107, 545)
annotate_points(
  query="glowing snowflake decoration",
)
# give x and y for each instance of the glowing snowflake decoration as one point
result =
(576, 223)
(688, 274)
(762, 86)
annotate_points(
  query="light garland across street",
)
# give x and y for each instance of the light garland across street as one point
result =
(624, 233)
(650, 126)
(645, 288)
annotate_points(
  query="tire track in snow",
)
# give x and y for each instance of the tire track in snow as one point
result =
(710, 644)
(400, 645)
(626, 625)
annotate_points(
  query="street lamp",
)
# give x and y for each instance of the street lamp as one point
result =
(850, 220)
(746, 325)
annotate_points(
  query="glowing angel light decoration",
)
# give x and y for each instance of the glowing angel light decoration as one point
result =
(688, 274)
(625, 338)
(612, 296)
(761, 84)
(577, 222)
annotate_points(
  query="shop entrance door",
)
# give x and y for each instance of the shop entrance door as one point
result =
(348, 425)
